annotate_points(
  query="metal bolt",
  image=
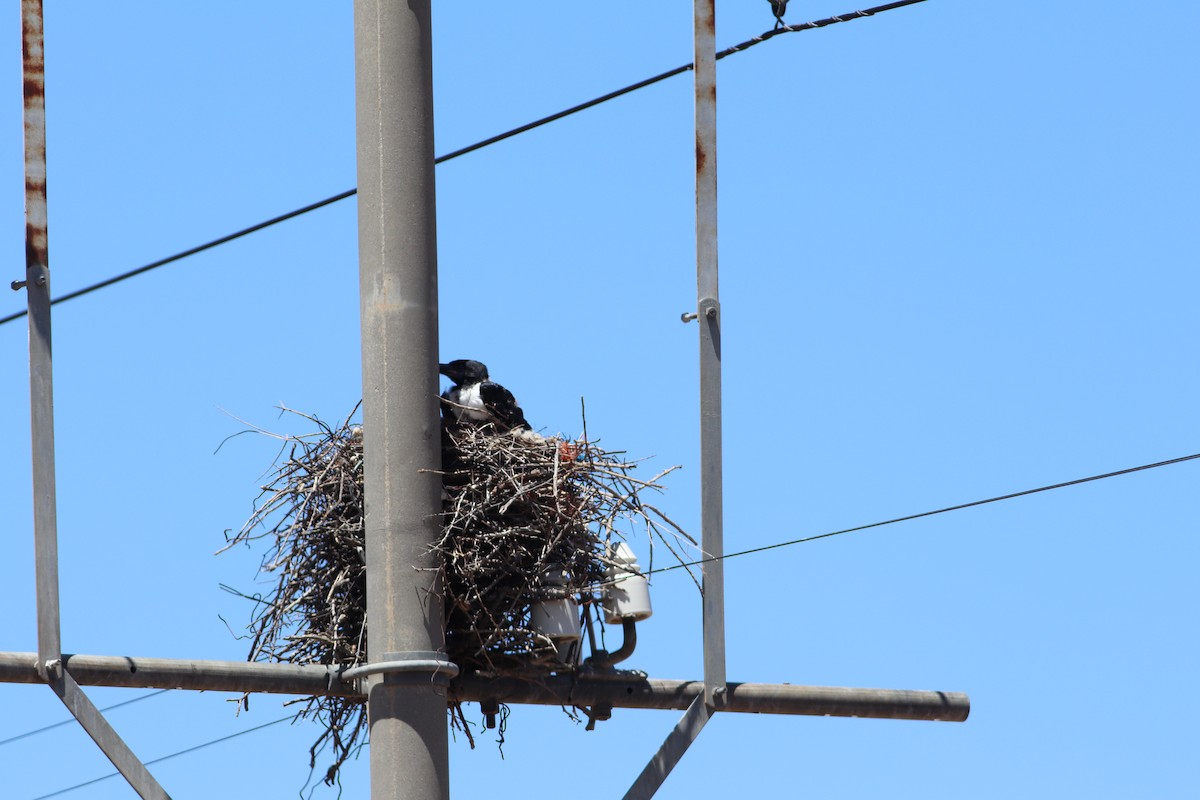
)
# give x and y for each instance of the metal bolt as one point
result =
(598, 713)
(688, 316)
(490, 709)
(17, 285)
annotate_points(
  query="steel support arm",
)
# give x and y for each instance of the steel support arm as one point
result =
(620, 690)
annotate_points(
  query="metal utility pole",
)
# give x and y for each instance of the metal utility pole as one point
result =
(406, 683)
(401, 436)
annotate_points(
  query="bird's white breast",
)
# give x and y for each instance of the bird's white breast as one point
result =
(472, 404)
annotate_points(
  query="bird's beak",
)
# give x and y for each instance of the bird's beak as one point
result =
(442, 369)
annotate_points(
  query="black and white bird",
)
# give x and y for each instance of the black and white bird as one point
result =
(473, 399)
(778, 8)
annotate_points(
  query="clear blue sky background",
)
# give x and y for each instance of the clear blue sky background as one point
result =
(958, 259)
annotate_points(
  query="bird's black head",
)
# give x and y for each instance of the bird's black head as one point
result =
(463, 371)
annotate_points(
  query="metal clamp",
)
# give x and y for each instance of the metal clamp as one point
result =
(708, 306)
(50, 670)
(429, 661)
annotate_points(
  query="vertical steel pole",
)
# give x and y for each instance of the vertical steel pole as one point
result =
(402, 445)
(41, 405)
(41, 379)
(708, 314)
(709, 318)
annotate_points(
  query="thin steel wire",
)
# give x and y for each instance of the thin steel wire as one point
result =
(72, 720)
(1024, 493)
(633, 87)
(164, 758)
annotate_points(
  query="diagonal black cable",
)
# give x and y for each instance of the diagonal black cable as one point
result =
(633, 87)
(1024, 493)
(162, 262)
(164, 758)
(72, 720)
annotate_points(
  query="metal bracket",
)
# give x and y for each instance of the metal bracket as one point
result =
(50, 670)
(412, 661)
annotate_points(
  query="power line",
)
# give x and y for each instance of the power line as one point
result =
(164, 758)
(1024, 493)
(633, 87)
(27, 734)
(162, 262)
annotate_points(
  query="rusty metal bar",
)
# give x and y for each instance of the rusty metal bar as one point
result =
(618, 689)
(708, 316)
(41, 379)
(709, 319)
(48, 664)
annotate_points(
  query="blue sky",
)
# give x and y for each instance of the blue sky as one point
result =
(957, 260)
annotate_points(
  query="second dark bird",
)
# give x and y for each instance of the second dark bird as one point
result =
(474, 399)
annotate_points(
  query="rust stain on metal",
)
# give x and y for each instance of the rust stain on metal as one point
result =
(706, 16)
(701, 158)
(34, 89)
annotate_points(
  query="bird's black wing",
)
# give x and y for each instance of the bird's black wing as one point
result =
(502, 406)
(448, 403)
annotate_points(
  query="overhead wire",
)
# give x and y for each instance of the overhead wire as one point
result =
(27, 734)
(677, 566)
(633, 87)
(740, 47)
(164, 758)
(909, 517)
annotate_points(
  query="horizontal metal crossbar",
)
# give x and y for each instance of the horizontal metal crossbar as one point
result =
(617, 689)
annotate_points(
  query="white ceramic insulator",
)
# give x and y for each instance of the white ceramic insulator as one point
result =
(627, 595)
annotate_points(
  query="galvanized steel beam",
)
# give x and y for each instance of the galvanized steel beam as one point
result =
(708, 317)
(708, 310)
(41, 372)
(619, 689)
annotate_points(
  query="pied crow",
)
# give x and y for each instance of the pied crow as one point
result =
(475, 399)
(778, 8)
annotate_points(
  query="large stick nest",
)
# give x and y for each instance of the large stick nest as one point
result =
(524, 517)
